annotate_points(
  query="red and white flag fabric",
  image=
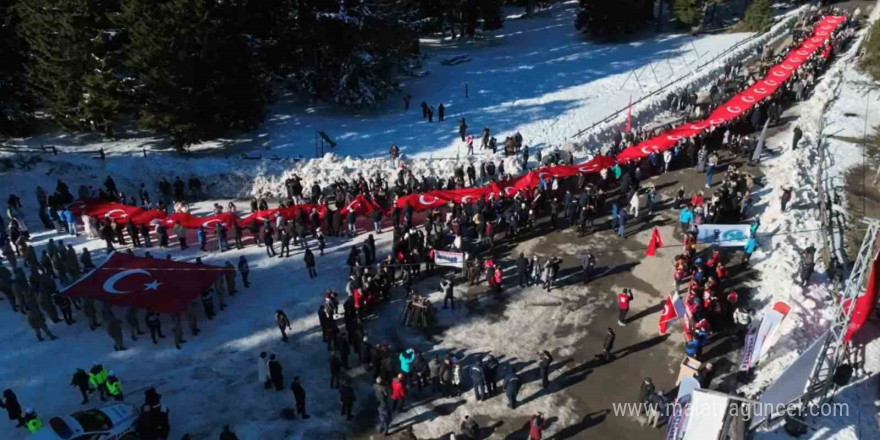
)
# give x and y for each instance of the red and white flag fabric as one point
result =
(673, 309)
(361, 205)
(656, 242)
(165, 286)
(864, 304)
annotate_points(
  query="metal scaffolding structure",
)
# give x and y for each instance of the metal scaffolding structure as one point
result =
(819, 389)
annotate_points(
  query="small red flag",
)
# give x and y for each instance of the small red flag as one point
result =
(654, 243)
(667, 315)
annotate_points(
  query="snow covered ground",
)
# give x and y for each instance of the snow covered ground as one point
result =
(537, 76)
(843, 91)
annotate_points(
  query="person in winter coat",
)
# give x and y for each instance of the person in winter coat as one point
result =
(263, 370)
(623, 300)
(64, 305)
(283, 323)
(309, 259)
(227, 434)
(646, 391)
(154, 324)
(522, 269)
(469, 428)
(536, 426)
(244, 270)
(406, 359)
(448, 292)
(479, 379)
(346, 399)
(490, 372)
(12, 407)
(398, 393)
(512, 384)
(80, 380)
(588, 263)
(786, 197)
(749, 248)
(114, 330)
(275, 373)
(133, 319)
(685, 219)
(608, 345)
(38, 323)
(299, 395)
(797, 134)
(335, 369)
(544, 368)
(381, 391)
(180, 231)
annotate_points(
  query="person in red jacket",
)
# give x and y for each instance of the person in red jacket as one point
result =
(498, 279)
(623, 300)
(720, 271)
(536, 426)
(398, 393)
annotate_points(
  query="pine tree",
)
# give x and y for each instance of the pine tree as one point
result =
(612, 19)
(70, 68)
(492, 15)
(194, 74)
(758, 16)
(350, 55)
(16, 107)
(686, 11)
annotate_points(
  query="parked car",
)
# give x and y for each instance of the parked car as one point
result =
(115, 421)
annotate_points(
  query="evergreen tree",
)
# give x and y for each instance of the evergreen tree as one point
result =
(350, 54)
(758, 16)
(70, 68)
(15, 104)
(492, 14)
(194, 74)
(612, 19)
(686, 11)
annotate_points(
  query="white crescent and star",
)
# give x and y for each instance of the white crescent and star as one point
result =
(208, 223)
(108, 213)
(110, 284)
(423, 199)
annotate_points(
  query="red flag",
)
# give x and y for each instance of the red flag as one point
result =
(629, 116)
(865, 303)
(148, 283)
(654, 243)
(361, 206)
(668, 314)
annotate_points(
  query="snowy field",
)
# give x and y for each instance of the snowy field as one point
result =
(536, 76)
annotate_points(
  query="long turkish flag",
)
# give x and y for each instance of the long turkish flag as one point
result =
(743, 101)
(165, 286)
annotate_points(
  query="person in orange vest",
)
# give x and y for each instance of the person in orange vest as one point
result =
(623, 300)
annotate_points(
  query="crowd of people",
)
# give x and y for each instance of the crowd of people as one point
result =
(31, 282)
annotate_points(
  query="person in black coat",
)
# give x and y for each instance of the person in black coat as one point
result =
(299, 394)
(309, 259)
(12, 407)
(275, 374)
(512, 384)
(608, 345)
(522, 269)
(544, 368)
(81, 381)
(268, 240)
(346, 398)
